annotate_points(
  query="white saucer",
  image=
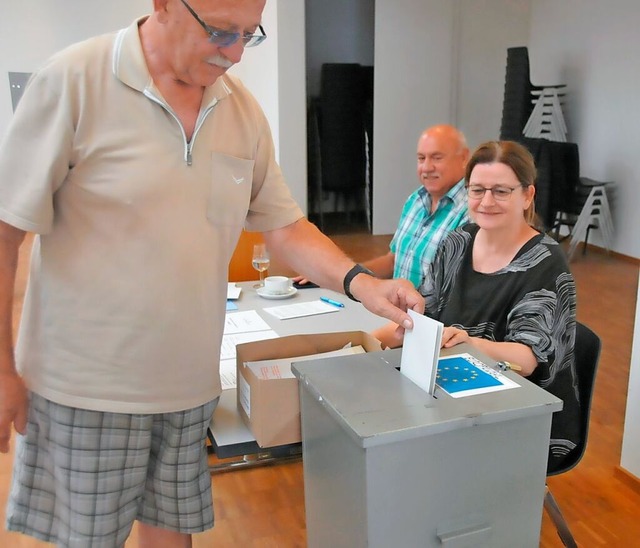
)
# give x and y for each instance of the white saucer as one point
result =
(266, 295)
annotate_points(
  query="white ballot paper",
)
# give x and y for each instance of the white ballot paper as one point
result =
(233, 291)
(421, 350)
(228, 374)
(244, 322)
(240, 327)
(230, 340)
(298, 310)
(228, 353)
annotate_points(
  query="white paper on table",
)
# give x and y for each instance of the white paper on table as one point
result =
(228, 374)
(233, 291)
(421, 350)
(298, 310)
(244, 322)
(230, 340)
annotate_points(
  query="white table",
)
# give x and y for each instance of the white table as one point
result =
(229, 435)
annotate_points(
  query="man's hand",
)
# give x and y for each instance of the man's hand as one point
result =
(13, 407)
(306, 250)
(388, 298)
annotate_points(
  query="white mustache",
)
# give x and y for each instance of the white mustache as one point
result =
(220, 61)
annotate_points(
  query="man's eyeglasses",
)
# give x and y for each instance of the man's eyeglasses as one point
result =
(225, 38)
(499, 193)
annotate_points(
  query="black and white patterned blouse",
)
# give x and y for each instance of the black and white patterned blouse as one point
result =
(531, 301)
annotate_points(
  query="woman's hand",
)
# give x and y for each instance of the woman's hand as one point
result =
(452, 336)
(391, 335)
(516, 353)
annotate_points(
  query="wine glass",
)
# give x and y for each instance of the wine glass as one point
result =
(260, 261)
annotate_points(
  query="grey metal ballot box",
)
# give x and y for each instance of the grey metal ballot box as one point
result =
(387, 465)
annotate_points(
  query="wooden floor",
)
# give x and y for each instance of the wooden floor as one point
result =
(264, 507)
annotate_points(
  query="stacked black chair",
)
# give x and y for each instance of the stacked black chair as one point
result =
(589, 209)
(368, 128)
(557, 161)
(342, 134)
(517, 105)
(560, 183)
(314, 171)
(520, 94)
(565, 160)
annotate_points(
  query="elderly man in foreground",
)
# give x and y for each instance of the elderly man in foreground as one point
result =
(137, 161)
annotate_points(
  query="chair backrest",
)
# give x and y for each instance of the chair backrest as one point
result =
(240, 268)
(587, 355)
(557, 180)
(540, 150)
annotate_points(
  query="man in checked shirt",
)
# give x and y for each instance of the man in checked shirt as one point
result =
(433, 210)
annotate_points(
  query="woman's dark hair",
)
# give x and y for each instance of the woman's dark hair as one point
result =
(511, 154)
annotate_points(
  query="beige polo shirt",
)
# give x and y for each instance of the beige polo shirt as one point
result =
(126, 298)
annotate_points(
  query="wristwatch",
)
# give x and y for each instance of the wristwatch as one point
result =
(346, 284)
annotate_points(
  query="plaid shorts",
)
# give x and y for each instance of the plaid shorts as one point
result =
(81, 478)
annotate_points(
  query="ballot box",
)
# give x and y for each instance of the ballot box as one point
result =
(388, 465)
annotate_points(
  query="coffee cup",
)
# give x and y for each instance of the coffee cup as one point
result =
(277, 285)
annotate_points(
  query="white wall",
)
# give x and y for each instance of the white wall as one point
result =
(485, 29)
(337, 32)
(436, 62)
(412, 89)
(30, 32)
(259, 68)
(275, 74)
(630, 459)
(592, 46)
(292, 100)
(444, 62)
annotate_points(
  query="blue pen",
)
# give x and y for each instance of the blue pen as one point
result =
(331, 301)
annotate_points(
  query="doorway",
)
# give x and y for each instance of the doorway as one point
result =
(339, 60)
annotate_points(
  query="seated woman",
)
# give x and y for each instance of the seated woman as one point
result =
(505, 288)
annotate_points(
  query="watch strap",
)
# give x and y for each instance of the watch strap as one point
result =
(346, 284)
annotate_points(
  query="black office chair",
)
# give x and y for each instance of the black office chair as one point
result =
(587, 354)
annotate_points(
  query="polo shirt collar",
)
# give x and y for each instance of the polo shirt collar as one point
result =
(454, 194)
(130, 65)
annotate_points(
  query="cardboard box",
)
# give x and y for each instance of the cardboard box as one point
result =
(270, 405)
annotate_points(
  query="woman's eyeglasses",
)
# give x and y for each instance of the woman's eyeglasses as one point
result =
(499, 193)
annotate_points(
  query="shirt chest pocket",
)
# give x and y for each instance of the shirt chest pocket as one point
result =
(231, 182)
